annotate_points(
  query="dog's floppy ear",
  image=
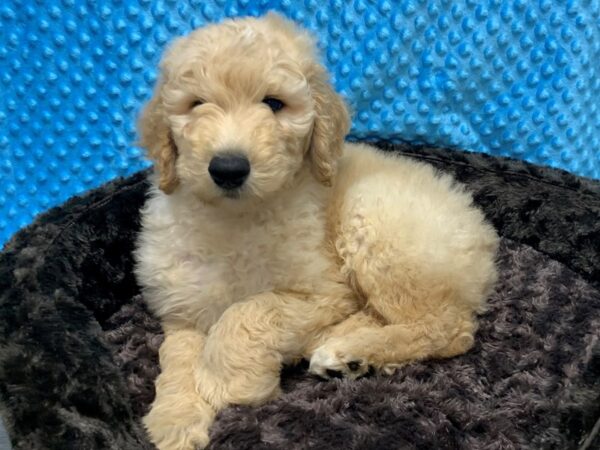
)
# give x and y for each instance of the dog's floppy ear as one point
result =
(330, 127)
(156, 138)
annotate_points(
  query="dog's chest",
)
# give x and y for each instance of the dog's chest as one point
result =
(194, 263)
(279, 253)
(282, 248)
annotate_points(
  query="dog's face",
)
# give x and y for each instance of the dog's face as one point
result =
(240, 108)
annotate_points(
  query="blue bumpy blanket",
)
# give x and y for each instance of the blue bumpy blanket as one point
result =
(516, 78)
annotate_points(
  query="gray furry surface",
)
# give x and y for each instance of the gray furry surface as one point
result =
(78, 348)
(530, 381)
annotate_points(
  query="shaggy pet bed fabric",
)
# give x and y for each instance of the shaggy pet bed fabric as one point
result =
(78, 348)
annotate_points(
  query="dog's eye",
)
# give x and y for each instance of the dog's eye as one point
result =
(273, 103)
(196, 102)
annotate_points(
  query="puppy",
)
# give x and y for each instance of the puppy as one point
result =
(267, 238)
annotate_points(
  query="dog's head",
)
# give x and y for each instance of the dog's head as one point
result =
(240, 108)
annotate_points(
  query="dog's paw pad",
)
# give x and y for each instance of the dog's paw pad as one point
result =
(354, 366)
(327, 363)
(334, 373)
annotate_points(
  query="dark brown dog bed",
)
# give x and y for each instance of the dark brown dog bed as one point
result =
(78, 349)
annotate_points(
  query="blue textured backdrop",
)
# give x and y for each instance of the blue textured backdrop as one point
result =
(517, 78)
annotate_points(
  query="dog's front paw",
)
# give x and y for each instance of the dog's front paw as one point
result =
(331, 361)
(179, 431)
(190, 437)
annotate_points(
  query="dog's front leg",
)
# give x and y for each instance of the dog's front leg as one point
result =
(245, 349)
(179, 417)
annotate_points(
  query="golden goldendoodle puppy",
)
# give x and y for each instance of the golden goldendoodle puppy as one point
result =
(267, 238)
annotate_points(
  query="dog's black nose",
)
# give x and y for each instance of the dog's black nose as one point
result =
(229, 171)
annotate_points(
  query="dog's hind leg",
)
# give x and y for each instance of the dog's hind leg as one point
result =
(423, 258)
(405, 319)
(179, 417)
(384, 348)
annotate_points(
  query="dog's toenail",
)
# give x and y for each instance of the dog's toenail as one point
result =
(354, 365)
(334, 373)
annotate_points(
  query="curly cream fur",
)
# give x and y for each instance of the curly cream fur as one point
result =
(331, 251)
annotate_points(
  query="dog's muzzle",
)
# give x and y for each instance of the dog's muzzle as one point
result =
(229, 171)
